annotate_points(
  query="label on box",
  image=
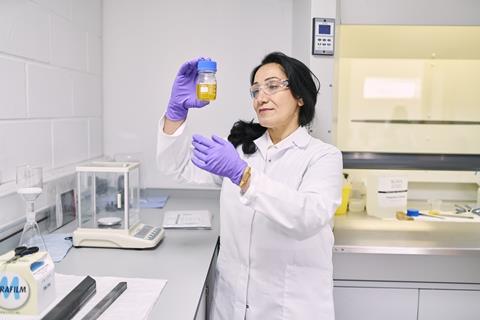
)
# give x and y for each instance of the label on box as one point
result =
(27, 285)
(392, 191)
(14, 291)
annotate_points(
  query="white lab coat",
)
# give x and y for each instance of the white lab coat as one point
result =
(275, 259)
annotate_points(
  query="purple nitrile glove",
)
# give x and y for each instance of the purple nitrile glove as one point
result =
(184, 94)
(218, 156)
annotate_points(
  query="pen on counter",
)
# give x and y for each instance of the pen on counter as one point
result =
(416, 213)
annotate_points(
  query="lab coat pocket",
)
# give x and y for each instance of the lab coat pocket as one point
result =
(308, 293)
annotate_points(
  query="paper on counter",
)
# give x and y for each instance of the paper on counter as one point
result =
(136, 302)
(193, 219)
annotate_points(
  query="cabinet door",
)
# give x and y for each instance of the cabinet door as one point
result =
(354, 303)
(202, 307)
(449, 304)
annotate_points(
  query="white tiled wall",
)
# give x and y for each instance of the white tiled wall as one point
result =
(13, 89)
(50, 83)
(50, 91)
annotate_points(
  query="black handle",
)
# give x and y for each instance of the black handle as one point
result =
(19, 250)
(28, 251)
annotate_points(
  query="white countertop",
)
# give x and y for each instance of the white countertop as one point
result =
(183, 258)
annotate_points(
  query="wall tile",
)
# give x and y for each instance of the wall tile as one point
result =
(95, 137)
(60, 7)
(44, 50)
(24, 142)
(69, 45)
(88, 15)
(70, 141)
(94, 54)
(87, 95)
(24, 29)
(12, 89)
(49, 92)
(13, 207)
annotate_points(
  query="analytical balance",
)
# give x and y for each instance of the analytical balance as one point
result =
(109, 209)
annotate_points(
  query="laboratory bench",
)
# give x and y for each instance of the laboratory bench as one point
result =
(382, 269)
(183, 258)
(389, 269)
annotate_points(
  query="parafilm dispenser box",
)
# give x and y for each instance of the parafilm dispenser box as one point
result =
(27, 285)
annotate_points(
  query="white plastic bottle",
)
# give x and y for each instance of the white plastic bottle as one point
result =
(357, 198)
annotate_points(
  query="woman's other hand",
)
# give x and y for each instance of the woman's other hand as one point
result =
(218, 156)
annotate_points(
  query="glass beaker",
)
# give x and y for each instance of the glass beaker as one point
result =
(29, 181)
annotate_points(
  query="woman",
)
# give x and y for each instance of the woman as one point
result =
(276, 207)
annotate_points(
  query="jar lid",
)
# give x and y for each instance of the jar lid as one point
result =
(207, 65)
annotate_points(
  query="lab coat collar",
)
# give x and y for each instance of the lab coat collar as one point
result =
(299, 138)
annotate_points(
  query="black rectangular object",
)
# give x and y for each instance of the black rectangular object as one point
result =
(410, 161)
(74, 301)
(103, 305)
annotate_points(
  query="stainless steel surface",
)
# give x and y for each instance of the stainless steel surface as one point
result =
(406, 250)
(360, 233)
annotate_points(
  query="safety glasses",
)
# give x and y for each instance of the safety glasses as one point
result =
(270, 87)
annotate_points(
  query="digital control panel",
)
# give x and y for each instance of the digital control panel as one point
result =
(323, 36)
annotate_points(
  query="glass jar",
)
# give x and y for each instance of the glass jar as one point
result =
(206, 81)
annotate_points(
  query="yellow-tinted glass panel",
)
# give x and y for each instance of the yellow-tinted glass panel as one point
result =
(410, 89)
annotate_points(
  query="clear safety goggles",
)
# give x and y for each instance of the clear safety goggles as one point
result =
(270, 87)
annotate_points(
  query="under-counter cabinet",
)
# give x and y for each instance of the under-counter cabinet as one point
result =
(375, 303)
(449, 304)
(372, 300)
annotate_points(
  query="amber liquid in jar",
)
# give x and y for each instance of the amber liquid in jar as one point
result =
(206, 91)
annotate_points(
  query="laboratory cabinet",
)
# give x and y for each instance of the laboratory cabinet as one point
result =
(449, 304)
(391, 285)
(411, 301)
(375, 303)
(201, 313)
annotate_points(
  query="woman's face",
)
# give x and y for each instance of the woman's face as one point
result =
(279, 108)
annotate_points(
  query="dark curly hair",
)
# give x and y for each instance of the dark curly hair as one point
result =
(302, 83)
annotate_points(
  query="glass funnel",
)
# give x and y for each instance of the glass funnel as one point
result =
(29, 181)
